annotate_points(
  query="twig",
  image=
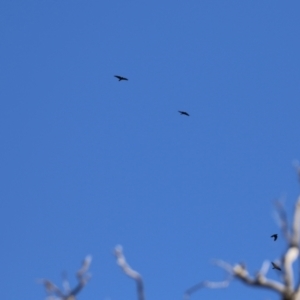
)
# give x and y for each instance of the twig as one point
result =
(282, 218)
(207, 284)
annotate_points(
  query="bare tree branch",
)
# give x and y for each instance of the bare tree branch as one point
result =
(264, 268)
(207, 284)
(240, 272)
(296, 225)
(83, 277)
(285, 289)
(282, 219)
(51, 289)
(121, 261)
(65, 283)
(84, 267)
(223, 265)
(288, 259)
(296, 165)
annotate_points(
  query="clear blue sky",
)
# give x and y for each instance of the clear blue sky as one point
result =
(88, 162)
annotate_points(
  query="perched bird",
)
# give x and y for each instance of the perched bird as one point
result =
(120, 77)
(275, 236)
(183, 113)
(275, 266)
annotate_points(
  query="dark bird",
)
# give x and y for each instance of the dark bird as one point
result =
(275, 266)
(183, 113)
(120, 77)
(275, 236)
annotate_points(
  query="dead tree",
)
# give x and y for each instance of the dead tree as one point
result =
(287, 289)
(55, 293)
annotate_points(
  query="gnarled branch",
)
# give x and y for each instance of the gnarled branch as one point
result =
(54, 293)
(121, 261)
(286, 288)
(240, 272)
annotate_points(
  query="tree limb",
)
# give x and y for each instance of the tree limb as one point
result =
(83, 277)
(282, 220)
(121, 261)
(296, 225)
(207, 284)
(240, 272)
(288, 259)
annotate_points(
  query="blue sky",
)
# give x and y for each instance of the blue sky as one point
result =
(88, 162)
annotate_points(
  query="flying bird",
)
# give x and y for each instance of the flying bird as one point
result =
(121, 77)
(183, 113)
(275, 266)
(275, 236)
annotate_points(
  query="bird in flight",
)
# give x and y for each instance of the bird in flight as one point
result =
(183, 113)
(275, 266)
(121, 77)
(275, 236)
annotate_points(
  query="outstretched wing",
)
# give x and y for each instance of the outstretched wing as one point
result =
(274, 236)
(184, 113)
(121, 77)
(275, 266)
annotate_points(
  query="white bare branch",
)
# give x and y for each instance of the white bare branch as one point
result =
(296, 165)
(264, 268)
(240, 272)
(207, 284)
(289, 258)
(65, 283)
(84, 267)
(121, 261)
(282, 220)
(296, 225)
(224, 265)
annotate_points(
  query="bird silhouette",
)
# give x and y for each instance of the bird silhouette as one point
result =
(121, 77)
(275, 266)
(275, 236)
(183, 113)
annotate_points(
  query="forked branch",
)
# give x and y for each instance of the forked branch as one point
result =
(240, 272)
(286, 288)
(54, 293)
